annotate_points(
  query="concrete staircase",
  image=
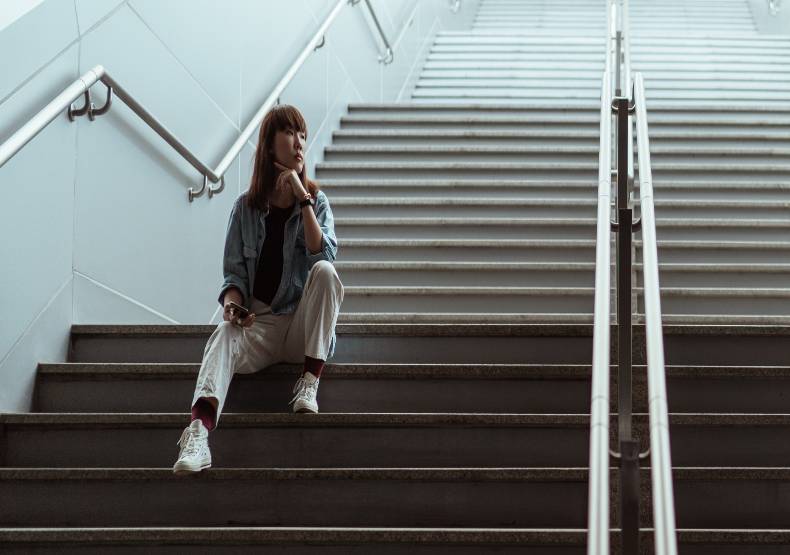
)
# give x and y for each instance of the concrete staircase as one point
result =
(454, 415)
(719, 115)
(478, 448)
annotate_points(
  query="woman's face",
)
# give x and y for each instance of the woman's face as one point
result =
(289, 148)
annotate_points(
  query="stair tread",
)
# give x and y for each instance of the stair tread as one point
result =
(467, 474)
(59, 420)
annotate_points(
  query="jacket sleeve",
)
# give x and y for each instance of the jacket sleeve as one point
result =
(323, 213)
(233, 263)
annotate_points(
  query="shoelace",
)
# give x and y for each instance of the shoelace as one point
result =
(301, 389)
(188, 441)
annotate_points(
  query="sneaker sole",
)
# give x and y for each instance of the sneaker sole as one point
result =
(181, 469)
(300, 407)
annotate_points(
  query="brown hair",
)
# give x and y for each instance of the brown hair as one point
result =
(264, 173)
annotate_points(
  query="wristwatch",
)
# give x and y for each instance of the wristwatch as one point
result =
(308, 199)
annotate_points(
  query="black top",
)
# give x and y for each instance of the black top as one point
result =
(270, 262)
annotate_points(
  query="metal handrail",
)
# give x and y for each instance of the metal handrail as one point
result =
(81, 87)
(598, 495)
(665, 538)
(598, 473)
(388, 54)
(627, 82)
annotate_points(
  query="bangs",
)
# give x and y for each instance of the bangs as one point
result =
(287, 117)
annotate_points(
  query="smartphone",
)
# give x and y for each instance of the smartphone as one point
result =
(241, 312)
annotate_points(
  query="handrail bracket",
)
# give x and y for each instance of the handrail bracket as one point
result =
(89, 108)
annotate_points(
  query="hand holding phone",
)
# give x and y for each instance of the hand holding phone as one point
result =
(237, 314)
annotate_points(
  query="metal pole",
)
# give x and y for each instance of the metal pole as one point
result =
(629, 448)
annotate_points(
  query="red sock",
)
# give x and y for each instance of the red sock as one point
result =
(313, 365)
(205, 411)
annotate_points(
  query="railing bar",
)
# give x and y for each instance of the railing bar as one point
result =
(254, 123)
(665, 540)
(11, 146)
(598, 495)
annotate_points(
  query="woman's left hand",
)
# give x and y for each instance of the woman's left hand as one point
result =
(297, 188)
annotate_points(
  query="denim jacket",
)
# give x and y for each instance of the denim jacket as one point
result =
(244, 240)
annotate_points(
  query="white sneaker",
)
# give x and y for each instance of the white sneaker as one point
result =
(306, 390)
(195, 454)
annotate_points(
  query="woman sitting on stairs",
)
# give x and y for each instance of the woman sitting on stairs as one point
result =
(279, 249)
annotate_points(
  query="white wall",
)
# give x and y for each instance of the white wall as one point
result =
(772, 24)
(95, 222)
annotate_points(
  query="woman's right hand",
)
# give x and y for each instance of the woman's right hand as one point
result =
(229, 315)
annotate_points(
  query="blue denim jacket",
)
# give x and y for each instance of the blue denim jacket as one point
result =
(244, 240)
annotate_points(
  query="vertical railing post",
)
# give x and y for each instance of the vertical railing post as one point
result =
(629, 447)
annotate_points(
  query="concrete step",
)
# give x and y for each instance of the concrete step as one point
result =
(488, 339)
(457, 188)
(465, 170)
(524, 250)
(408, 388)
(755, 60)
(482, 250)
(565, 108)
(541, 51)
(706, 228)
(459, 497)
(541, 25)
(466, 300)
(696, 275)
(762, 68)
(560, 300)
(362, 138)
(555, 274)
(682, 24)
(571, 122)
(360, 541)
(656, 37)
(767, 210)
(379, 143)
(549, 92)
(729, 252)
(467, 228)
(445, 138)
(381, 440)
(568, 274)
(323, 540)
(699, 189)
(659, 152)
(474, 72)
(448, 388)
(525, 85)
(570, 54)
(394, 207)
(660, 87)
(678, 122)
(461, 153)
(510, 82)
(488, 38)
(725, 171)
(691, 340)
(281, 440)
(707, 498)
(710, 300)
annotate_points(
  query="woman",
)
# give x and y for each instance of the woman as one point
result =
(279, 249)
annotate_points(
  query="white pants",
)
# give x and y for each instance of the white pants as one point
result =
(272, 338)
